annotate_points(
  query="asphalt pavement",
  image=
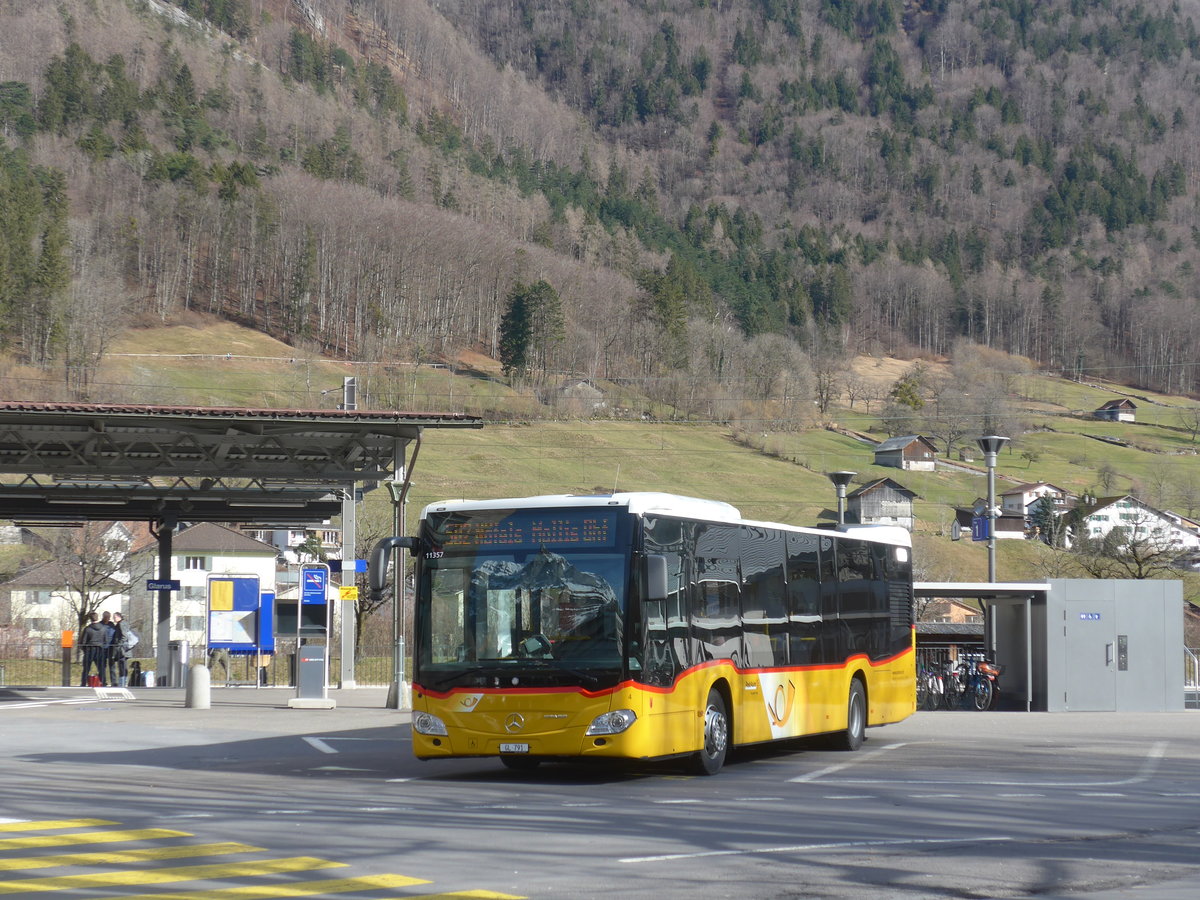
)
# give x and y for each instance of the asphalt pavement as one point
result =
(1070, 806)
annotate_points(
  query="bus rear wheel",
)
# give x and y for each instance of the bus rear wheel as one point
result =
(709, 759)
(856, 719)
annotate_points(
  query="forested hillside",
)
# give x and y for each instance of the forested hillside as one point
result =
(706, 198)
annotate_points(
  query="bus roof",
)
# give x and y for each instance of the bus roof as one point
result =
(643, 502)
(637, 502)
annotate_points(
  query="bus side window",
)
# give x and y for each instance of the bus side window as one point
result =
(764, 601)
(835, 642)
(716, 621)
(855, 587)
(804, 599)
(664, 645)
(663, 642)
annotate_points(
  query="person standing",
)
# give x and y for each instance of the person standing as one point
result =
(91, 645)
(109, 629)
(118, 652)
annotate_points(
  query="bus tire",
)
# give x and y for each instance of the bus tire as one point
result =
(856, 719)
(711, 756)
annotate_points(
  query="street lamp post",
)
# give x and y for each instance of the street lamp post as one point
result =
(840, 479)
(990, 445)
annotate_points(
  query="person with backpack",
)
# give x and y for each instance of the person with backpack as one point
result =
(107, 623)
(123, 642)
(91, 646)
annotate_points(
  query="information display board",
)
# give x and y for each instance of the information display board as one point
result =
(525, 529)
(235, 614)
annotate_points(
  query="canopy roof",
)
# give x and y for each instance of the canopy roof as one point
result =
(96, 461)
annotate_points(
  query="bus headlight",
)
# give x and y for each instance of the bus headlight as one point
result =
(426, 723)
(612, 722)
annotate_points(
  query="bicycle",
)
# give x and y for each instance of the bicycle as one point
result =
(930, 688)
(975, 684)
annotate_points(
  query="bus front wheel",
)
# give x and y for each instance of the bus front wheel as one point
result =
(856, 718)
(709, 759)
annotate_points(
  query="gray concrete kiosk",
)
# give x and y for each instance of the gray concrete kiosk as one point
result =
(1090, 645)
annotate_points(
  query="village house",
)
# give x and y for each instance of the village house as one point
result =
(1020, 499)
(1141, 521)
(1122, 410)
(912, 452)
(1008, 525)
(882, 502)
(44, 600)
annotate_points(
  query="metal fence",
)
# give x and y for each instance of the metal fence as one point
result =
(40, 663)
(1191, 678)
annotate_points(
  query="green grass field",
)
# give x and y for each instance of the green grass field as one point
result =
(778, 477)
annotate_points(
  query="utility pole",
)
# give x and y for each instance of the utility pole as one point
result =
(991, 445)
(346, 677)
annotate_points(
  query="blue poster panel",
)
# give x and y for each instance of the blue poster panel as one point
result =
(234, 606)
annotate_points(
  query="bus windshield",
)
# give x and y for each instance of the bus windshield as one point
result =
(522, 595)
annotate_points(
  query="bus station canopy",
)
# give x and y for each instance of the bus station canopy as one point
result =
(70, 462)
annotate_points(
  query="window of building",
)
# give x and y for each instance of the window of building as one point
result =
(38, 624)
(189, 623)
(195, 593)
(196, 563)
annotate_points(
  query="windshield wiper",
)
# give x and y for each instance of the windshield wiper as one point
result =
(509, 668)
(553, 666)
(453, 678)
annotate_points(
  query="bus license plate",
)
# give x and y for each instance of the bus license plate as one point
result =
(514, 748)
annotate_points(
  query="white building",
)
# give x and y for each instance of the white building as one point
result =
(1141, 522)
(292, 543)
(1019, 499)
(44, 600)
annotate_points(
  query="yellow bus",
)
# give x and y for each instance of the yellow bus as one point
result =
(647, 626)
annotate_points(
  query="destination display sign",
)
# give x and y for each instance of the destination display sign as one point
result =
(528, 529)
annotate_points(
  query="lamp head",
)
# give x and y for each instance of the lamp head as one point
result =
(991, 444)
(840, 478)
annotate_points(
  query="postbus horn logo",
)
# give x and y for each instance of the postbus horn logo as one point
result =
(779, 708)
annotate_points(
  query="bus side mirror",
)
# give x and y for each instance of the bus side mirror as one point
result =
(656, 577)
(377, 568)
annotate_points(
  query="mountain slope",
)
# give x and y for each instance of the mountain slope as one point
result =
(714, 191)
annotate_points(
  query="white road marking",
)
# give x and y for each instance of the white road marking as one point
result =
(807, 848)
(829, 770)
(37, 704)
(1147, 769)
(324, 746)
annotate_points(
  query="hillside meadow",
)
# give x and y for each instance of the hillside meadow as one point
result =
(527, 447)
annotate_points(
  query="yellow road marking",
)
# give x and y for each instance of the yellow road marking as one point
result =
(88, 837)
(300, 889)
(104, 857)
(47, 825)
(163, 876)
